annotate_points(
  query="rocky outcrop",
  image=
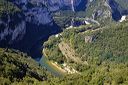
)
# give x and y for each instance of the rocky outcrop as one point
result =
(99, 10)
(35, 11)
(88, 39)
(31, 26)
(27, 30)
(79, 5)
(34, 23)
(117, 10)
(12, 28)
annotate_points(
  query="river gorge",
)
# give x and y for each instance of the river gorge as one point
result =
(27, 29)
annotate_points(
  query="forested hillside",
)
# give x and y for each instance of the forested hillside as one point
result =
(91, 47)
(16, 68)
(105, 49)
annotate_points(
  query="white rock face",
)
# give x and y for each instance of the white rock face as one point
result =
(72, 3)
(123, 18)
(91, 0)
(86, 22)
(69, 27)
(57, 35)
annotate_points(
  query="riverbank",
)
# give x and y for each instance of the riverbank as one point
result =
(62, 69)
(58, 67)
(54, 65)
(51, 66)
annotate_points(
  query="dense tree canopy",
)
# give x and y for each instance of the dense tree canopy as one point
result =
(106, 54)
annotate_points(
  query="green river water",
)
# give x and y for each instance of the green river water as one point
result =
(52, 69)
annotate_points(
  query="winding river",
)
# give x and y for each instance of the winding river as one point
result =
(44, 62)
